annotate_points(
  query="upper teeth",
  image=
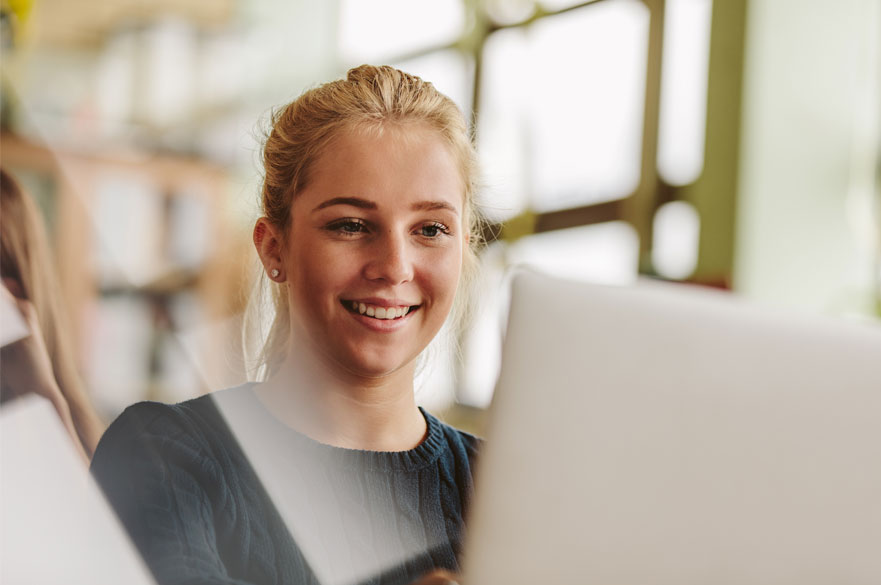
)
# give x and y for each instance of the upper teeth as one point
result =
(380, 312)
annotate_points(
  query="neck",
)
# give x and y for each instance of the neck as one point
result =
(339, 409)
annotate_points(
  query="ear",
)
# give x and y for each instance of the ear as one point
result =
(269, 244)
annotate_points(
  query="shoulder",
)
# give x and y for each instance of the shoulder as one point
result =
(459, 442)
(183, 417)
(466, 439)
(151, 430)
(155, 419)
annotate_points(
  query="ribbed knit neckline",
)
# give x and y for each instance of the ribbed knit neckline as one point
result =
(423, 455)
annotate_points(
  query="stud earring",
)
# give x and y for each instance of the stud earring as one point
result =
(274, 273)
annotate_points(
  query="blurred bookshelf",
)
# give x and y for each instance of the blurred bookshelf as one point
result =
(146, 258)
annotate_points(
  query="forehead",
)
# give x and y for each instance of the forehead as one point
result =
(388, 162)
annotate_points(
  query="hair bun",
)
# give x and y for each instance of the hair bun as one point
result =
(362, 73)
(385, 75)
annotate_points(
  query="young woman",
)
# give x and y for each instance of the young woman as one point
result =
(326, 471)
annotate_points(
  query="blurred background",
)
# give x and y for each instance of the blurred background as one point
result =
(728, 143)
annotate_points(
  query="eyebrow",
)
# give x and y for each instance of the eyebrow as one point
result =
(365, 204)
(353, 201)
(432, 205)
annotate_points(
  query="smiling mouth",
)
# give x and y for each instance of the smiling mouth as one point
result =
(381, 313)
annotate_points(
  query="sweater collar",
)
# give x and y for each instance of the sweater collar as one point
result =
(243, 401)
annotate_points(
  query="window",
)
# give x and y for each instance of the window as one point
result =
(589, 117)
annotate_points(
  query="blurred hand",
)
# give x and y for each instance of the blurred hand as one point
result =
(27, 367)
(438, 577)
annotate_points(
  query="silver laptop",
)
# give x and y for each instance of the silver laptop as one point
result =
(665, 435)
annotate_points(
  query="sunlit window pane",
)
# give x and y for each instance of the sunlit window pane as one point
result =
(676, 232)
(605, 253)
(551, 5)
(684, 90)
(509, 11)
(587, 103)
(562, 107)
(382, 29)
(450, 71)
(482, 343)
(501, 139)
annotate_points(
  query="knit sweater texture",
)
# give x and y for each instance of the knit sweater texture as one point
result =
(217, 491)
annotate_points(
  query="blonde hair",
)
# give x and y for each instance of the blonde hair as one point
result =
(25, 259)
(369, 97)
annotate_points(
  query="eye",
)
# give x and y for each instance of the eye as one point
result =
(347, 226)
(433, 229)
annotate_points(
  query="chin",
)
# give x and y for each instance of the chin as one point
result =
(376, 367)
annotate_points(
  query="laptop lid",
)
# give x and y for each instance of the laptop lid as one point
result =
(665, 435)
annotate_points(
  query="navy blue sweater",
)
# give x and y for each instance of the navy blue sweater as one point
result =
(184, 481)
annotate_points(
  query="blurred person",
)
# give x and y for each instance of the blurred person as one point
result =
(326, 471)
(42, 363)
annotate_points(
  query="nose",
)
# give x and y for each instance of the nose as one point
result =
(391, 259)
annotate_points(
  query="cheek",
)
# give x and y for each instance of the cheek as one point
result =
(314, 273)
(444, 274)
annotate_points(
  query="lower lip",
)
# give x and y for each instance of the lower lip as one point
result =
(382, 325)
